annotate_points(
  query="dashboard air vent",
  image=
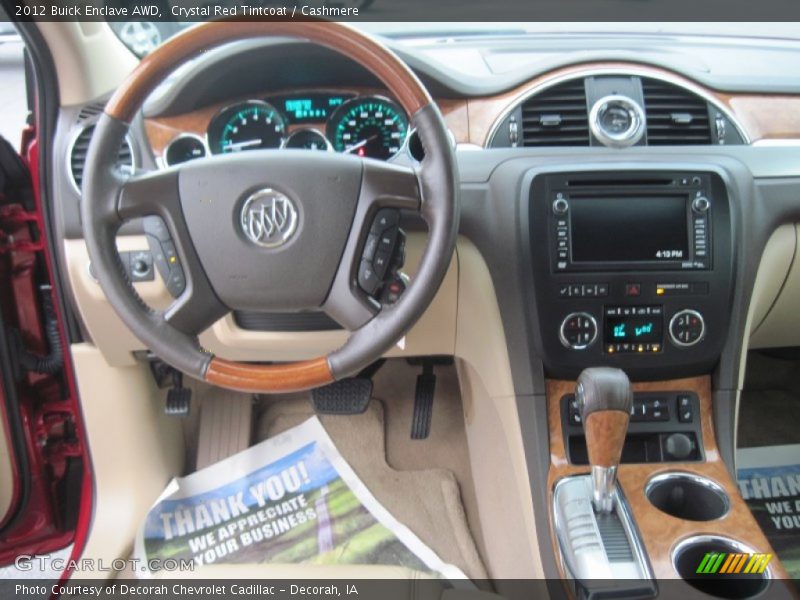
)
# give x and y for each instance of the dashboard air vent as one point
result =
(556, 116)
(675, 116)
(77, 156)
(89, 111)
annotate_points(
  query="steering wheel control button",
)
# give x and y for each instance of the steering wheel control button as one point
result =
(385, 218)
(156, 227)
(141, 266)
(176, 283)
(686, 328)
(370, 246)
(367, 278)
(382, 257)
(578, 331)
(165, 257)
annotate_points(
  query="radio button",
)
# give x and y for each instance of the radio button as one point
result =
(701, 204)
(560, 206)
(687, 328)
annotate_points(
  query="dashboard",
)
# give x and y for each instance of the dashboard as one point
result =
(345, 121)
(616, 136)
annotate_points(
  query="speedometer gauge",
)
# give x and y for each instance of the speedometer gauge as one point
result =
(251, 125)
(368, 126)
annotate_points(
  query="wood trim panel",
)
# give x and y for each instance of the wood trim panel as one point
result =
(661, 532)
(766, 117)
(269, 379)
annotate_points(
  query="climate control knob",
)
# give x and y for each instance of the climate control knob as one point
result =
(686, 328)
(578, 331)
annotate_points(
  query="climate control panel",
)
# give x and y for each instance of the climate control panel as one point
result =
(634, 329)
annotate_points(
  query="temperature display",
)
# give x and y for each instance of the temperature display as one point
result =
(634, 329)
(633, 325)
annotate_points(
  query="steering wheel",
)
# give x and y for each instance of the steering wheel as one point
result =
(271, 230)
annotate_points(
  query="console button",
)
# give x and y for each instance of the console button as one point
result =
(685, 409)
(633, 289)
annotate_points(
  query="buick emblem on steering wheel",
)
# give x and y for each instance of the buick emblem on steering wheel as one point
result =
(268, 218)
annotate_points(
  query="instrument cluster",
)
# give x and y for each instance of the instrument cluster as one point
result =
(370, 126)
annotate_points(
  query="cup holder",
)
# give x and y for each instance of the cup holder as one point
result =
(687, 496)
(689, 555)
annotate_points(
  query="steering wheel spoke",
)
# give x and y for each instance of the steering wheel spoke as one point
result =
(150, 193)
(156, 194)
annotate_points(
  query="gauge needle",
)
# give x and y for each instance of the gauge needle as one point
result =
(360, 144)
(244, 144)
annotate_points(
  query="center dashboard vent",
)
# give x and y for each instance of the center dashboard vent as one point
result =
(556, 116)
(675, 116)
(80, 147)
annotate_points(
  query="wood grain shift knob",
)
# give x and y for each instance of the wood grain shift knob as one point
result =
(605, 398)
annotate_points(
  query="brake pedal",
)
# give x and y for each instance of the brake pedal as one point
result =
(423, 402)
(179, 398)
(346, 397)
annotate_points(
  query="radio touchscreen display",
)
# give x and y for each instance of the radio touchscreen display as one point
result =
(629, 229)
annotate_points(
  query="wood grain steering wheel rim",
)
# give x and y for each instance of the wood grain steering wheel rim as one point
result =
(103, 208)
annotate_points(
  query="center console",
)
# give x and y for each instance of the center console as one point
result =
(638, 270)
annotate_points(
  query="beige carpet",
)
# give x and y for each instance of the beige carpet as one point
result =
(428, 500)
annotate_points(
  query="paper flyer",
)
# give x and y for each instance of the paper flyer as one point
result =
(289, 499)
(769, 481)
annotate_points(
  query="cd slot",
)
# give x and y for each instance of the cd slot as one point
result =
(618, 183)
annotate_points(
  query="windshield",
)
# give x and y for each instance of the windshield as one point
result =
(143, 36)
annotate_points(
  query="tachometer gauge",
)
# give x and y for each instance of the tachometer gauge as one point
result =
(368, 126)
(253, 125)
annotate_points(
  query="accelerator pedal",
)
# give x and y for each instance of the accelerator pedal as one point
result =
(346, 397)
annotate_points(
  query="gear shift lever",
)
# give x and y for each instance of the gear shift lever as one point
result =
(605, 399)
